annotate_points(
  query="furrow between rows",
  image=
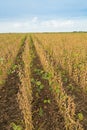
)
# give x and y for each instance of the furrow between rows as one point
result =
(46, 114)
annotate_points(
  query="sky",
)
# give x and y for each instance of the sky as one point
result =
(43, 16)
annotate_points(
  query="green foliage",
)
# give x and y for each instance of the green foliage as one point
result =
(38, 71)
(38, 83)
(70, 87)
(65, 79)
(80, 116)
(41, 86)
(9, 71)
(16, 127)
(50, 82)
(57, 90)
(12, 70)
(14, 67)
(40, 111)
(33, 80)
(37, 95)
(46, 76)
(47, 101)
(64, 76)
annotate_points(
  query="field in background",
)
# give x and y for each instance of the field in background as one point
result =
(43, 81)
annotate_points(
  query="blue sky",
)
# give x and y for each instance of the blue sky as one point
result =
(39, 16)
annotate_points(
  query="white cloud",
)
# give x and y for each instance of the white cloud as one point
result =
(57, 23)
(37, 25)
(17, 25)
(35, 19)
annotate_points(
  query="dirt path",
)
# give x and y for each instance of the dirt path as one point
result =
(9, 107)
(46, 114)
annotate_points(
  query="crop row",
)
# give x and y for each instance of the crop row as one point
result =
(42, 88)
(75, 99)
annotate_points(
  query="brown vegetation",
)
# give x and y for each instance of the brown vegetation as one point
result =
(43, 81)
